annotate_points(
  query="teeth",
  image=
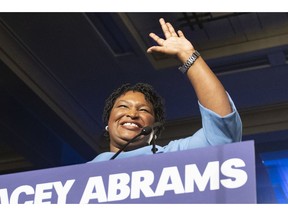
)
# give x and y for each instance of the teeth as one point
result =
(130, 124)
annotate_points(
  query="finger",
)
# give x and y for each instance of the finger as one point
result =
(165, 28)
(156, 49)
(180, 33)
(171, 30)
(156, 38)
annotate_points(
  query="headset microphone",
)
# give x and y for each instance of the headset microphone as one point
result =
(145, 131)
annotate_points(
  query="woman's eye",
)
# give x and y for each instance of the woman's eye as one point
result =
(122, 105)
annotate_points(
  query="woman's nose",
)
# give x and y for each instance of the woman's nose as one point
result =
(133, 113)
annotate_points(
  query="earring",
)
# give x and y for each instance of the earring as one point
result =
(106, 128)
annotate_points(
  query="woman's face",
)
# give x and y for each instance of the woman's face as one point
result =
(130, 113)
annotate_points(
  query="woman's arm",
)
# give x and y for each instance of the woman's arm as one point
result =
(209, 90)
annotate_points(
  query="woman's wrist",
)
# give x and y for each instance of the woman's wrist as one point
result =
(189, 62)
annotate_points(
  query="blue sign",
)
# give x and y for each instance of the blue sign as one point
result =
(220, 174)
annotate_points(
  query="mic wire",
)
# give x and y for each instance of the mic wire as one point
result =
(145, 131)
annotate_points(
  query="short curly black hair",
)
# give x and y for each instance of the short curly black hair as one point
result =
(150, 95)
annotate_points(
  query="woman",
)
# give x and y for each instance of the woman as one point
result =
(129, 109)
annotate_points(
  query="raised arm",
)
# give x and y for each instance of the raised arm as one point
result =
(209, 90)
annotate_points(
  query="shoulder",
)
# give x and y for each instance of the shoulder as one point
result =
(105, 156)
(197, 140)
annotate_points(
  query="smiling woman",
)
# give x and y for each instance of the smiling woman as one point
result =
(130, 113)
(131, 108)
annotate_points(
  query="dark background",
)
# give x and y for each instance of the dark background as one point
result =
(56, 69)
